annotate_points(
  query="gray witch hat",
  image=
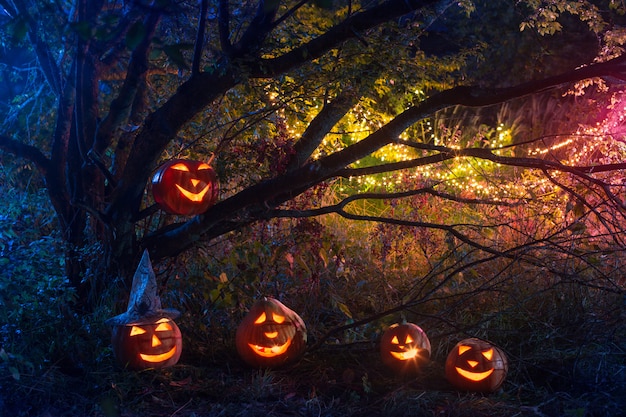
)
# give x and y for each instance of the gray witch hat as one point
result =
(144, 305)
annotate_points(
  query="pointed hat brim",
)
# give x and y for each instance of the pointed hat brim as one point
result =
(144, 305)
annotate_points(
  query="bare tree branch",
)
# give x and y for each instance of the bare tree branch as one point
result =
(199, 46)
(348, 29)
(259, 28)
(616, 238)
(120, 107)
(27, 152)
(45, 57)
(223, 25)
(289, 13)
(446, 153)
(335, 208)
(317, 129)
(86, 110)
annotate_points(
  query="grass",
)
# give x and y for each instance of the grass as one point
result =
(335, 380)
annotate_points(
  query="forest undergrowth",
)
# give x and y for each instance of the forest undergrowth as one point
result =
(561, 321)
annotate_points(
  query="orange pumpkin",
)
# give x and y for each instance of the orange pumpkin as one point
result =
(145, 335)
(156, 344)
(185, 187)
(270, 335)
(476, 365)
(404, 348)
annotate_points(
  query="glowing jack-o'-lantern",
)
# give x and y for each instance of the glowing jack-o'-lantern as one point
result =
(185, 187)
(156, 344)
(476, 365)
(404, 347)
(270, 335)
(145, 336)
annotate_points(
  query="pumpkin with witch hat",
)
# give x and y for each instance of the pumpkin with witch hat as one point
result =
(145, 336)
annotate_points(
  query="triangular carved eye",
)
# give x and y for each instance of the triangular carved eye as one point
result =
(409, 339)
(488, 354)
(204, 166)
(278, 318)
(463, 349)
(136, 330)
(162, 327)
(395, 340)
(261, 318)
(180, 167)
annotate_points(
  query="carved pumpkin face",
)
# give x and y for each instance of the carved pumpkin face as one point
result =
(150, 345)
(476, 365)
(185, 187)
(404, 347)
(270, 335)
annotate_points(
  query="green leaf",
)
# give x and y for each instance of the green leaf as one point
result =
(344, 309)
(579, 209)
(576, 412)
(135, 35)
(83, 29)
(324, 4)
(15, 373)
(323, 257)
(20, 29)
(304, 265)
(577, 228)
(214, 294)
(175, 54)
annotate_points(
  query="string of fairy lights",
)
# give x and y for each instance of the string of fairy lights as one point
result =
(471, 176)
(468, 174)
(604, 143)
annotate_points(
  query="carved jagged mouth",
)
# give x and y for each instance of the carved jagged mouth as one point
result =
(405, 356)
(195, 197)
(474, 376)
(160, 357)
(270, 351)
